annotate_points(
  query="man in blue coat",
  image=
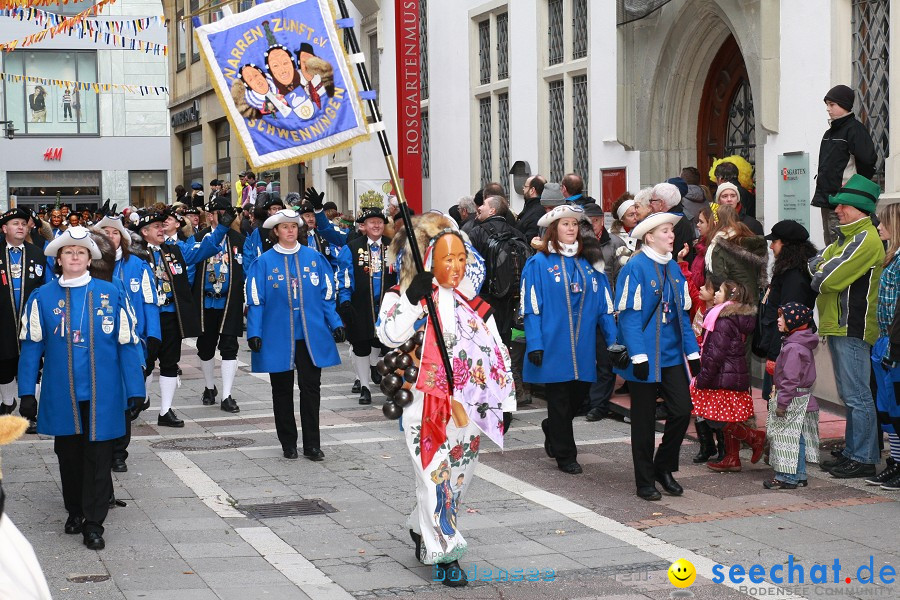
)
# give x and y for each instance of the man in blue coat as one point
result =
(292, 323)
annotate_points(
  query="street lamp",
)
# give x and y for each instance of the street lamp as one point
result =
(9, 130)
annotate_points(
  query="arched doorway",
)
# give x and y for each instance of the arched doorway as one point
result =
(726, 123)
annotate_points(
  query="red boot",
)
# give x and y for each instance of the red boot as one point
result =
(732, 461)
(755, 438)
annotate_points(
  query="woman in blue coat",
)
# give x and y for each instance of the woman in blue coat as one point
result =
(83, 328)
(292, 322)
(139, 281)
(652, 301)
(564, 301)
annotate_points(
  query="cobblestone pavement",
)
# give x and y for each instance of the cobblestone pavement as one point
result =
(190, 532)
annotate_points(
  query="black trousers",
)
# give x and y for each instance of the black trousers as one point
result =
(365, 347)
(677, 397)
(120, 445)
(210, 338)
(169, 347)
(309, 379)
(602, 389)
(563, 401)
(8, 369)
(84, 470)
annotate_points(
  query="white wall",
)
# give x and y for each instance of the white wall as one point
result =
(453, 113)
(805, 78)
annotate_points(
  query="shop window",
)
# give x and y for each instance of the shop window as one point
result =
(147, 187)
(35, 188)
(52, 109)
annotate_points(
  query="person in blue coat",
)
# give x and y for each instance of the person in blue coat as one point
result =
(330, 232)
(83, 328)
(292, 323)
(137, 277)
(564, 299)
(315, 240)
(652, 301)
(258, 241)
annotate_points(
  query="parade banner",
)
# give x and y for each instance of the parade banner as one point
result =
(282, 76)
(409, 114)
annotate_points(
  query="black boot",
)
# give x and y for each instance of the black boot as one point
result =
(365, 396)
(720, 444)
(450, 574)
(355, 389)
(7, 409)
(209, 396)
(707, 442)
(376, 376)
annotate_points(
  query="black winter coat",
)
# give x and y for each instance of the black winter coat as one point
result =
(845, 138)
(793, 285)
(528, 218)
(684, 234)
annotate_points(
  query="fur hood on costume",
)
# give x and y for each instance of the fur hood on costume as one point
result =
(426, 227)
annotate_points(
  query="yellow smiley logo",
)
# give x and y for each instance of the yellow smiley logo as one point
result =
(682, 573)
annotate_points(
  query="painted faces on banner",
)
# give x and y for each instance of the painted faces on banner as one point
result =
(284, 80)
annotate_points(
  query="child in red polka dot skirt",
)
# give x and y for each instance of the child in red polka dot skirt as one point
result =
(721, 390)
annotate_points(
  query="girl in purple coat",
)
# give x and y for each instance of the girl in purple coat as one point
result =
(793, 426)
(721, 390)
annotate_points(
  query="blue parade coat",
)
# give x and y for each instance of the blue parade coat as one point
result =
(329, 231)
(140, 286)
(279, 316)
(253, 248)
(91, 354)
(640, 287)
(563, 307)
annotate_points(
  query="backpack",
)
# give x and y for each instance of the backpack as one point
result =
(506, 257)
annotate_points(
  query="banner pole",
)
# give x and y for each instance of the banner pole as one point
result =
(401, 197)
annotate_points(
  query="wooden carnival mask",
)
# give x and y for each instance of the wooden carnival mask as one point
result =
(449, 260)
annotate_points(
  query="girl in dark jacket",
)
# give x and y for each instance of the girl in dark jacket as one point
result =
(721, 390)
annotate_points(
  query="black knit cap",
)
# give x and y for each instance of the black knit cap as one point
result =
(843, 96)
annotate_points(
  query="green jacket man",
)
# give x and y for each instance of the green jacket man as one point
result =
(847, 272)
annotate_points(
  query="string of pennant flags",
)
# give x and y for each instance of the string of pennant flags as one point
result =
(143, 90)
(109, 32)
(50, 20)
(63, 26)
